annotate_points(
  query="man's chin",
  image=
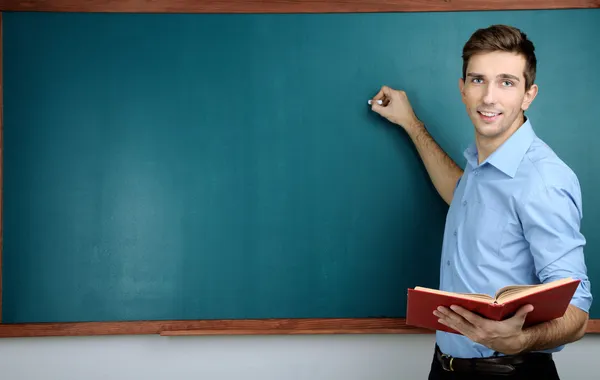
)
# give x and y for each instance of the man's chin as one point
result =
(488, 131)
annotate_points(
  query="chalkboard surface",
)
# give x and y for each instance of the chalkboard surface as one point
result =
(161, 167)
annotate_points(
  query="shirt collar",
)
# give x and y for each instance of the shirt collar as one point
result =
(509, 155)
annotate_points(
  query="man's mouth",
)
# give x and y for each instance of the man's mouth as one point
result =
(489, 116)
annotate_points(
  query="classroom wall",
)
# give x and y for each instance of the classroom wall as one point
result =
(347, 357)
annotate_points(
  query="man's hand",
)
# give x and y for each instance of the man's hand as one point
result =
(396, 107)
(505, 336)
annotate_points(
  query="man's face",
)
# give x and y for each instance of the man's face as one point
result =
(494, 94)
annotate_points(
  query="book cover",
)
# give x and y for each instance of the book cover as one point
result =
(550, 301)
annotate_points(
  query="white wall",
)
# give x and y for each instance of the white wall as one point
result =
(347, 357)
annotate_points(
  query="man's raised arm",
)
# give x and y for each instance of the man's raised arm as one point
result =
(442, 170)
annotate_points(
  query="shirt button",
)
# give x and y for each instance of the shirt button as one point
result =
(448, 262)
(464, 203)
(454, 233)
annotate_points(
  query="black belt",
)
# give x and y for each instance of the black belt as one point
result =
(492, 365)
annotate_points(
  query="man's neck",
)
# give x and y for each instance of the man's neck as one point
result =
(487, 146)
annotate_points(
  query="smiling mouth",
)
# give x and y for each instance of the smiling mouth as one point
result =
(489, 116)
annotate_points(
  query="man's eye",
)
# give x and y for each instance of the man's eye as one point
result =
(477, 80)
(507, 83)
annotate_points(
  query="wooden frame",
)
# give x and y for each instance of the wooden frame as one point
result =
(286, 6)
(1, 161)
(256, 326)
(214, 327)
(225, 327)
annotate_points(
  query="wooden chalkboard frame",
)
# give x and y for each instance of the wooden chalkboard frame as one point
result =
(254, 326)
(286, 6)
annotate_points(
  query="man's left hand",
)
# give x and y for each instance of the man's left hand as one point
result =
(503, 336)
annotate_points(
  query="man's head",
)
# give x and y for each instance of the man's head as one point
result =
(497, 85)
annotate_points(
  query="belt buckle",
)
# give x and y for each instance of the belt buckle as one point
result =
(447, 363)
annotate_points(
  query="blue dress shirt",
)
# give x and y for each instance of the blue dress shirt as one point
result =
(514, 219)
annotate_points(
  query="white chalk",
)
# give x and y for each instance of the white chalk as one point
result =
(378, 102)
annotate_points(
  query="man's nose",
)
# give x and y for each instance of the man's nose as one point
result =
(488, 96)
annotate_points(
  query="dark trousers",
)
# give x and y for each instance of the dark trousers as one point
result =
(530, 370)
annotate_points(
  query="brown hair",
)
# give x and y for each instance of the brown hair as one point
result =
(502, 38)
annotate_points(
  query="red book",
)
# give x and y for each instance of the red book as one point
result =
(549, 300)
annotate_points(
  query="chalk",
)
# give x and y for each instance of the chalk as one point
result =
(378, 102)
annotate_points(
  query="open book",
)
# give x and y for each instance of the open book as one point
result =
(550, 301)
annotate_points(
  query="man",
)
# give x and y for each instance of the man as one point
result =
(514, 215)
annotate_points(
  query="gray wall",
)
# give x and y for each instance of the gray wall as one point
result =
(347, 357)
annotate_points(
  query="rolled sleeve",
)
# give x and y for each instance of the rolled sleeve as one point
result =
(551, 220)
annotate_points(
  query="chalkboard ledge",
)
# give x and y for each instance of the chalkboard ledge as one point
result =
(225, 327)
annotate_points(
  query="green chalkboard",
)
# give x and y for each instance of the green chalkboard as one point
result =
(161, 167)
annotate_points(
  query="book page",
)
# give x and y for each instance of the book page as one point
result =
(512, 289)
(509, 293)
(471, 296)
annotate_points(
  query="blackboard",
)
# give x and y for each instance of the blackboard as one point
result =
(211, 167)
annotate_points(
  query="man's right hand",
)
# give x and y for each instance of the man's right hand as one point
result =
(396, 108)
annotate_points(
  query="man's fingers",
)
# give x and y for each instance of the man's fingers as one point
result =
(380, 109)
(454, 321)
(469, 316)
(387, 91)
(384, 94)
(380, 101)
(384, 91)
(449, 315)
(380, 95)
(521, 314)
(525, 310)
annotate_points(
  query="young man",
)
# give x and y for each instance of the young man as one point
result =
(514, 215)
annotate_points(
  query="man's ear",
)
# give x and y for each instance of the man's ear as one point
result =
(529, 96)
(461, 87)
